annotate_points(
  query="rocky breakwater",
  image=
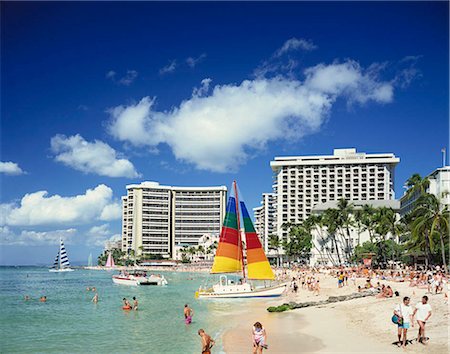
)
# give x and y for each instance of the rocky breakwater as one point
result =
(330, 300)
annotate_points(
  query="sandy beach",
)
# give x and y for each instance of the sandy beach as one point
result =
(355, 326)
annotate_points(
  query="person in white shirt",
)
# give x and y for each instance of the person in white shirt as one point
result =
(405, 313)
(422, 313)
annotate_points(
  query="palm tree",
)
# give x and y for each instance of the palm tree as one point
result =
(417, 184)
(431, 220)
(345, 221)
(368, 220)
(274, 244)
(330, 221)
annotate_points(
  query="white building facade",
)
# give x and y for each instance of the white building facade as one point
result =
(156, 218)
(302, 182)
(439, 186)
(266, 218)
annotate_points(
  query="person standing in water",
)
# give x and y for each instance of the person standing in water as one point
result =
(207, 342)
(188, 313)
(135, 304)
(95, 298)
(259, 337)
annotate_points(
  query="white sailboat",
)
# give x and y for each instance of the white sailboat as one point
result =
(61, 263)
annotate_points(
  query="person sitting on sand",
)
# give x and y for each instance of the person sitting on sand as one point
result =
(382, 293)
(95, 298)
(259, 337)
(207, 341)
(43, 299)
(188, 313)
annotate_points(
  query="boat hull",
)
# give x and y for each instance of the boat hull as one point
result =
(234, 293)
(139, 281)
(62, 270)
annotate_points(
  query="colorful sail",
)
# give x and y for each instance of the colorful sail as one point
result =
(228, 257)
(110, 261)
(258, 266)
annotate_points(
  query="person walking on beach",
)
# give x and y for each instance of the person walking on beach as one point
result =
(404, 313)
(317, 288)
(423, 311)
(135, 304)
(188, 313)
(207, 342)
(259, 337)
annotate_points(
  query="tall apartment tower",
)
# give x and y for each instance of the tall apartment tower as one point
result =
(266, 218)
(155, 218)
(302, 182)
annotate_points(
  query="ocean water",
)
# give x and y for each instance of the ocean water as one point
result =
(70, 323)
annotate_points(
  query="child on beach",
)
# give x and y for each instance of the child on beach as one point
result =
(259, 338)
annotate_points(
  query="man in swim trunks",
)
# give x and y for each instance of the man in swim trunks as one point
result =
(135, 304)
(188, 313)
(423, 312)
(207, 342)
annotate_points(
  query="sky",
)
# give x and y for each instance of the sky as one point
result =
(96, 95)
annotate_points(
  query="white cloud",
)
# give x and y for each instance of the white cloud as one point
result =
(351, 80)
(10, 168)
(40, 209)
(126, 80)
(169, 68)
(219, 131)
(98, 235)
(192, 62)
(33, 238)
(295, 44)
(97, 157)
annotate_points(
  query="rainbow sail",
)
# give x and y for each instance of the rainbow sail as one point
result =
(228, 257)
(257, 264)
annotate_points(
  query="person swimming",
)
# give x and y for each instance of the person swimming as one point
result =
(135, 304)
(126, 304)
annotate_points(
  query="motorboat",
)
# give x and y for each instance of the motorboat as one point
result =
(138, 277)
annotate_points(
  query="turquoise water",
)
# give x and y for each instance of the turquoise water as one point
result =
(69, 322)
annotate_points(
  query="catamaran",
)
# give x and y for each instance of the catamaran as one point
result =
(61, 263)
(230, 258)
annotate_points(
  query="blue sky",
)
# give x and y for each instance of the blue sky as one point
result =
(96, 96)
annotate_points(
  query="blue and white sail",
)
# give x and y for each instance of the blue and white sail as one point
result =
(61, 263)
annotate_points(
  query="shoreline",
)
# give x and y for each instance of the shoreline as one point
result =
(360, 325)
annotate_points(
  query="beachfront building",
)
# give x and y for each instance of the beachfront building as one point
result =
(265, 218)
(324, 251)
(302, 182)
(204, 251)
(156, 218)
(439, 185)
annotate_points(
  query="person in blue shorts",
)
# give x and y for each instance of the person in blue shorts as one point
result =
(404, 312)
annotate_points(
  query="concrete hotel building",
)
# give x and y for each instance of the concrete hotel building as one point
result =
(305, 181)
(155, 218)
(265, 218)
(439, 186)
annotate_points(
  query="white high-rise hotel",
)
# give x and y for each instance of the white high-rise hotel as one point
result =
(155, 218)
(305, 181)
(265, 218)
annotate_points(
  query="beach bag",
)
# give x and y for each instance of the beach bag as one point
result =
(397, 320)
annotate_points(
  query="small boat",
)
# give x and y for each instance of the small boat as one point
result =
(138, 277)
(110, 262)
(61, 263)
(230, 258)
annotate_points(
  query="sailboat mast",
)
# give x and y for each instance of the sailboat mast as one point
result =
(239, 227)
